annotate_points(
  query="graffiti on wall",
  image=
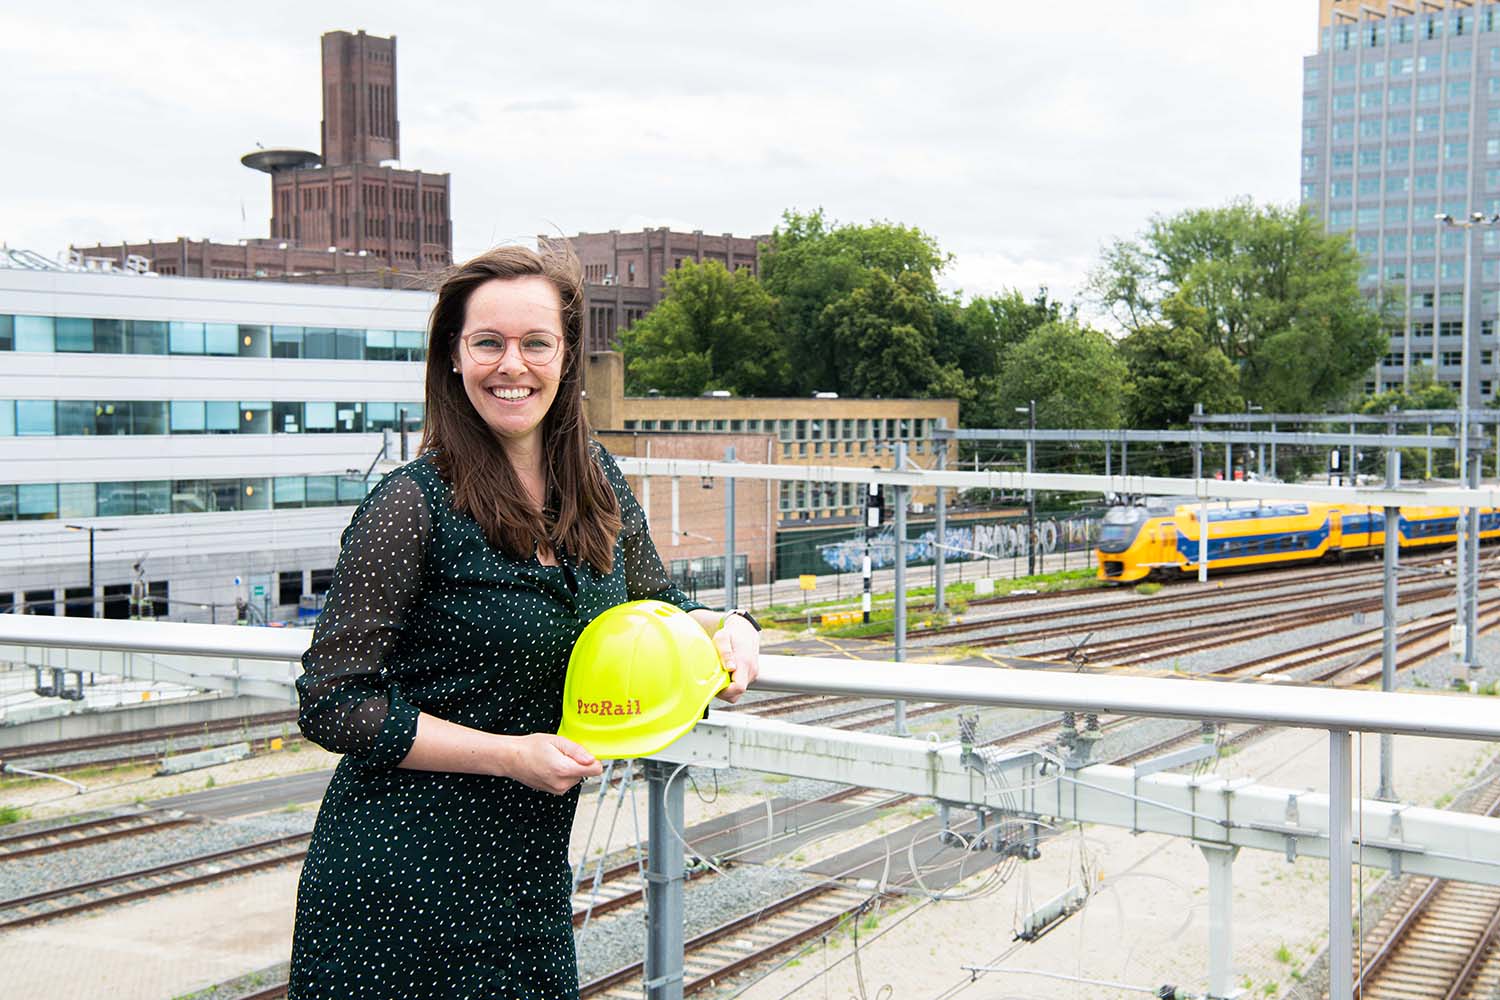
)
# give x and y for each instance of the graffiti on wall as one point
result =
(1004, 540)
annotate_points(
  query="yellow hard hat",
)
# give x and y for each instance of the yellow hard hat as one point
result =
(640, 676)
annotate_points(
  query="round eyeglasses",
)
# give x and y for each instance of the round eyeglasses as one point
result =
(537, 348)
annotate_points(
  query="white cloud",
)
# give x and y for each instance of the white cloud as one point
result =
(1022, 136)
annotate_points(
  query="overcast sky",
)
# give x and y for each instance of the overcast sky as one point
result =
(1022, 135)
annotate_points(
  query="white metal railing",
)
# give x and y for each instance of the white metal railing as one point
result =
(1208, 489)
(1411, 714)
(1339, 712)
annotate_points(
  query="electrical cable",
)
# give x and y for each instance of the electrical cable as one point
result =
(608, 839)
(588, 839)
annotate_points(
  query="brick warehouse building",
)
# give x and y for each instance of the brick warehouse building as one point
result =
(625, 273)
(343, 212)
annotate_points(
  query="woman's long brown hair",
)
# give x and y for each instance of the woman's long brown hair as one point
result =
(582, 514)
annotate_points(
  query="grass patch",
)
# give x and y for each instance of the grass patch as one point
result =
(11, 814)
(959, 595)
(1284, 955)
(1148, 588)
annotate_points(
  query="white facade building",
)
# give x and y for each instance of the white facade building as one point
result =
(213, 430)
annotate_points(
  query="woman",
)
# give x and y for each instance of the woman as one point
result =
(438, 867)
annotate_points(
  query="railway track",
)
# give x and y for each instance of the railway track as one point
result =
(1234, 584)
(40, 756)
(89, 831)
(141, 883)
(1437, 938)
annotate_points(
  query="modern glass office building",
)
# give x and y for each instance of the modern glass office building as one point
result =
(212, 431)
(1401, 124)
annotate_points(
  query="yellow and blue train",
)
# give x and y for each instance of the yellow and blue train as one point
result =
(1160, 538)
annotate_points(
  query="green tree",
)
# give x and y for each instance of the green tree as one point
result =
(1422, 392)
(1278, 297)
(814, 268)
(713, 330)
(1171, 367)
(993, 324)
(1074, 373)
(882, 336)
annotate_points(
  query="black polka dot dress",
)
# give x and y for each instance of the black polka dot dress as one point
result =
(422, 885)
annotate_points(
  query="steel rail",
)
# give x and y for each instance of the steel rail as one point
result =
(134, 824)
(105, 884)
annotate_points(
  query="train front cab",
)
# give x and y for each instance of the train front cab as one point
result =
(1127, 548)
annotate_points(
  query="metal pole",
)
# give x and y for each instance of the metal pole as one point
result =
(401, 414)
(940, 528)
(664, 880)
(1203, 540)
(899, 527)
(731, 599)
(1471, 616)
(1273, 449)
(1465, 537)
(93, 604)
(1351, 470)
(1340, 884)
(872, 519)
(1124, 455)
(1030, 493)
(1197, 443)
(1220, 859)
(1429, 454)
(1392, 529)
(1109, 451)
(1203, 505)
(1228, 461)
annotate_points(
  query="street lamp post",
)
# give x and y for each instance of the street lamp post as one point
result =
(1468, 539)
(90, 528)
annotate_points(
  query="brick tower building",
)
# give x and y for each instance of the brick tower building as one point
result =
(349, 215)
(354, 199)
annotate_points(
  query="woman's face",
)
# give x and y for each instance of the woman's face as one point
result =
(511, 393)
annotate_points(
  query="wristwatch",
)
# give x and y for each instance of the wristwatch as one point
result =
(743, 614)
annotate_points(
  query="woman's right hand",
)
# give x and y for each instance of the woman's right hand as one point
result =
(548, 762)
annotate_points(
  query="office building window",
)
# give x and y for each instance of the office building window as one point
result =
(34, 333)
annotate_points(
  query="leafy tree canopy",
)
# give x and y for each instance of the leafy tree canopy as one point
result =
(993, 324)
(1422, 392)
(714, 330)
(1171, 367)
(1278, 297)
(1074, 373)
(831, 283)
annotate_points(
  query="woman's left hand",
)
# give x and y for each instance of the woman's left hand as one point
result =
(739, 648)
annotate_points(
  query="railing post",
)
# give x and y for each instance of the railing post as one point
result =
(1340, 856)
(664, 881)
(1220, 859)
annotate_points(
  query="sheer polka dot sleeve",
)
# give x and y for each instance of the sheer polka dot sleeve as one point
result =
(349, 704)
(645, 576)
